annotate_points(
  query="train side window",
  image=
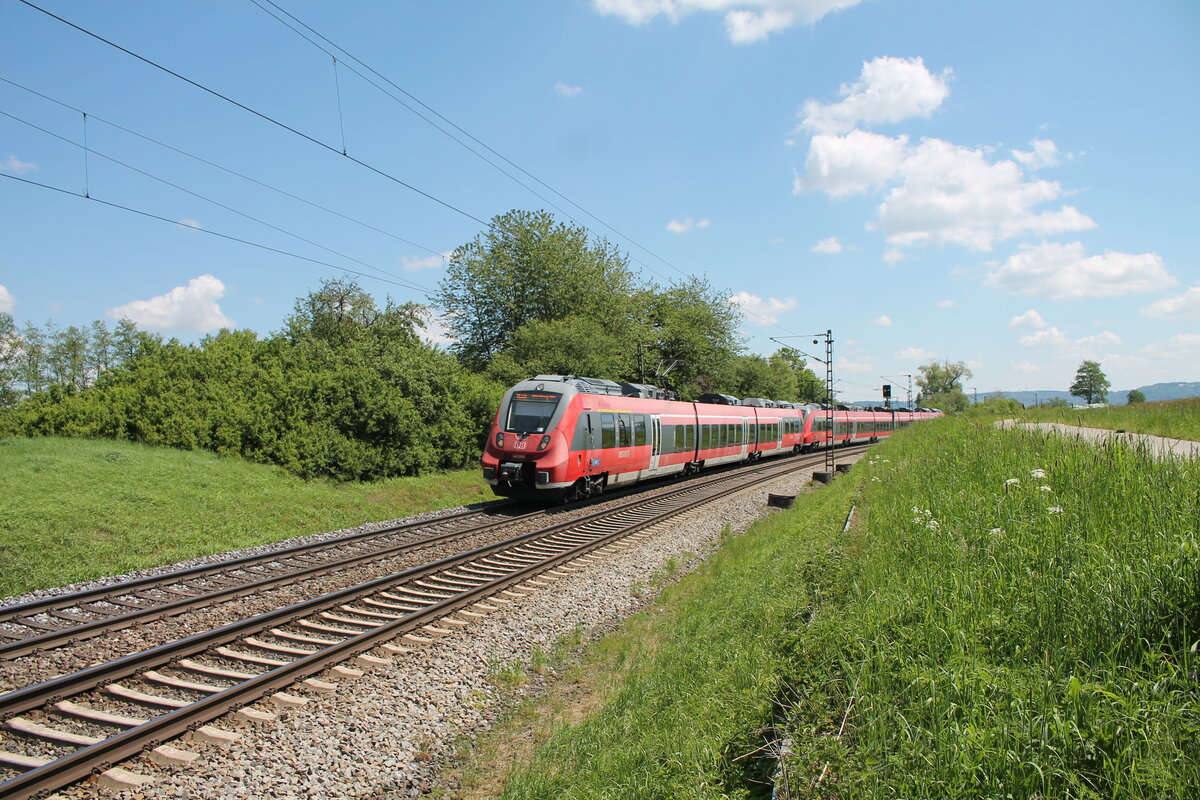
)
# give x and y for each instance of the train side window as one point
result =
(608, 430)
(639, 430)
(624, 431)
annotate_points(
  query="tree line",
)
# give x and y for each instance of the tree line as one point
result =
(348, 389)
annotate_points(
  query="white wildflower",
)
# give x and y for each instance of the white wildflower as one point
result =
(1045, 488)
(1012, 482)
(932, 525)
(996, 532)
(1054, 510)
(1038, 473)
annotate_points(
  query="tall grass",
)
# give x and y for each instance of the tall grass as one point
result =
(1023, 623)
(1175, 419)
(77, 509)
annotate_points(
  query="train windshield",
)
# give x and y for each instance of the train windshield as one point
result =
(530, 412)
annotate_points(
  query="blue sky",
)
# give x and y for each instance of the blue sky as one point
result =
(1009, 184)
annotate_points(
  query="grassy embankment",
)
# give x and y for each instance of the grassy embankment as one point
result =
(973, 635)
(76, 509)
(1175, 419)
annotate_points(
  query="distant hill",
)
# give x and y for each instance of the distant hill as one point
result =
(1117, 397)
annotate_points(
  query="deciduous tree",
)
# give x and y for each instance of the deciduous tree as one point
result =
(1090, 383)
(527, 267)
(940, 384)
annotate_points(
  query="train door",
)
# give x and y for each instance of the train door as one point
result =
(655, 440)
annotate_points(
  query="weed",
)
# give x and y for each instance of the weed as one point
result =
(506, 674)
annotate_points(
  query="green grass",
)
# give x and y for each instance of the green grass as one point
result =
(1175, 419)
(971, 636)
(76, 509)
(1023, 622)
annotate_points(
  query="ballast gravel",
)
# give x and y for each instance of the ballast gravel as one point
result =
(386, 734)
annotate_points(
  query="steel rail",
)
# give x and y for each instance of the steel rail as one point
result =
(71, 633)
(150, 734)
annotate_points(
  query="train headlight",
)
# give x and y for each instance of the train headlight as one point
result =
(500, 439)
(544, 443)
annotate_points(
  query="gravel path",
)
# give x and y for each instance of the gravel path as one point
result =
(385, 734)
(1157, 446)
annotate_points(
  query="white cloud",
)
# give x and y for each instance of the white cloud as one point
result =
(768, 310)
(852, 164)
(945, 304)
(190, 223)
(744, 27)
(947, 194)
(566, 90)
(1043, 154)
(1102, 339)
(1184, 306)
(846, 365)
(915, 354)
(882, 321)
(937, 193)
(683, 226)
(1190, 341)
(1063, 271)
(1049, 337)
(7, 301)
(1030, 319)
(187, 308)
(436, 332)
(412, 264)
(16, 165)
(1064, 347)
(828, 246)
(893, 254)
(888, 90)
(1025, 366)
(745, 20)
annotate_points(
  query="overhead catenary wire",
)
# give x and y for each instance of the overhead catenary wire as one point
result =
(400, 281)
(221, 167)
(208, 231)
(259, 114)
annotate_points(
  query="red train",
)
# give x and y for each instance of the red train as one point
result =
(564, 437)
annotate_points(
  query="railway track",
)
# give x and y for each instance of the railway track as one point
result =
(51, 622)
(66, 728)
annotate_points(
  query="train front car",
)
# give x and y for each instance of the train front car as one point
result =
(527, 450)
